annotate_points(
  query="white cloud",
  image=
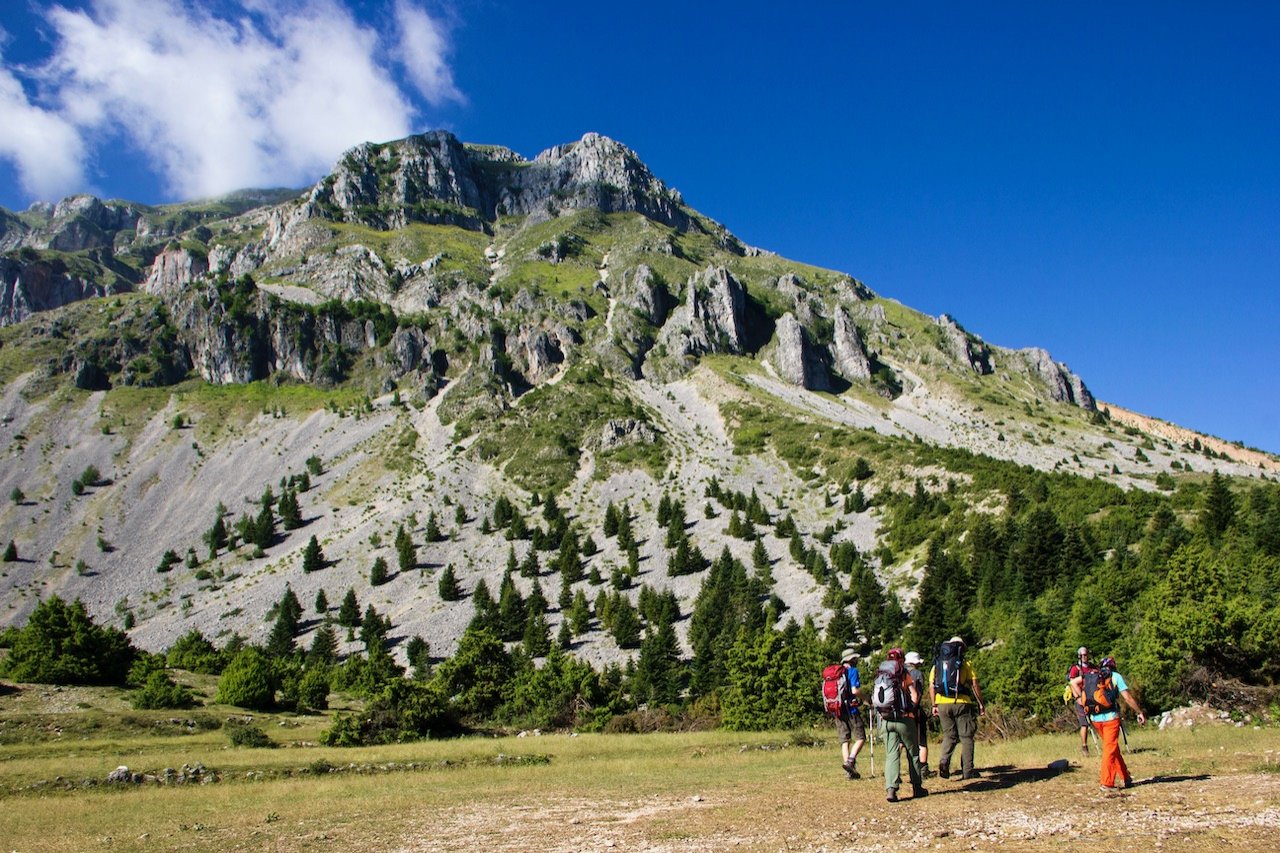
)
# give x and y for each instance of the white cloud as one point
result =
(269, 97)
(422, 50)
(46, 149)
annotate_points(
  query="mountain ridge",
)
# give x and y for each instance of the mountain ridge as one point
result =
(441, 325)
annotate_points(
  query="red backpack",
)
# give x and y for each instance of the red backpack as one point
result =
(835, 688)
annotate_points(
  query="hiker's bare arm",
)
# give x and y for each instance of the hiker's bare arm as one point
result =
(1137, 709)
(1077, 686)
(977, 695)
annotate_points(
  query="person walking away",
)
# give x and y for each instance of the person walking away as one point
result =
(850, 726)
(1077, 670)
(956, 697)
(896, 701)
(1100, 692)
(914, 661)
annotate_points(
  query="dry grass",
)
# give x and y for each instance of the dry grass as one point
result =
(696, 791)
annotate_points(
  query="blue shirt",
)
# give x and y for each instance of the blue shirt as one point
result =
(855, 682)
(1121, 686)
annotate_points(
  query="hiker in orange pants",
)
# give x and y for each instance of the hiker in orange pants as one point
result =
(1100, 693)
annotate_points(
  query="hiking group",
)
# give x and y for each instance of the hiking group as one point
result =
(955, 699)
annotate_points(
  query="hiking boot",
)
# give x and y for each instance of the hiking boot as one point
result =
(972, 774)
(924, 770)
(918, 791)
(944, 772)
(1084, 750)
(1128, 783)
(851, 770)
(891, 795)
(1106, 789)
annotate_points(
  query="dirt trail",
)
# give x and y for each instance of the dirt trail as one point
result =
(1013, 809)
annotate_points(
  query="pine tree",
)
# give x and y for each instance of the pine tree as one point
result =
(419, 654)
(322, 602)
(216, 536)
(378, 572)
(578, 617)
(658, 669)
(349, 610)
(564, 639)
(406, 550)
(280, 641)
(11, 552)
(626, 624)
(433, 529)
(448, 585)
(1219, 507)
(264, 527)
(290, 514)
(511, 610)
(312, 557)
(537, 636)
(373, 629)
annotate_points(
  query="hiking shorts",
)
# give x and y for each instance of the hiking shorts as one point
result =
(1082, 716)
(851, 727)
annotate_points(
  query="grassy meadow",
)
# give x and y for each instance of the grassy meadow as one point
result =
(673, 791)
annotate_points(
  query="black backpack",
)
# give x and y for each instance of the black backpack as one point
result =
(1099, 694)
(946, 671)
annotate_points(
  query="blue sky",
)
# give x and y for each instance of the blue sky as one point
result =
(1099, 179)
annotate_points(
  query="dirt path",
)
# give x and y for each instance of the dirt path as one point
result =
(1012, 809)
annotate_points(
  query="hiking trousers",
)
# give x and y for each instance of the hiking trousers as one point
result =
(959, 724)
(1112, 760)
(899, 733)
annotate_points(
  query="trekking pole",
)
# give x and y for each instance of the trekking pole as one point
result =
(871, 718)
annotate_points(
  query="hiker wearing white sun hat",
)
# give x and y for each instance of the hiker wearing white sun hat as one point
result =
(914, 661)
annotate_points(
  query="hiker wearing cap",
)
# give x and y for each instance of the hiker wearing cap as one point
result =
(897, 703)
(1077, 670)
(914, 661)
(1100, 692)
(957, 701)
(850, 726)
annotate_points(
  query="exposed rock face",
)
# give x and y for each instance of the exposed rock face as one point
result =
(712, 319)
(640, 308)
(26, 288)
(83, 222)
(849, 354)
(538, 353)
(174, 269)
(619, 432)
(1063, 385)
(435, 178)
(796, 360)
(594, 172)
(964, 347)
(424, 178)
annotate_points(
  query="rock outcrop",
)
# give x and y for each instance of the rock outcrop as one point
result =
(795, 359)
(1062, 385)
(42, 285)
(965, 348)
(712, 319)
(849, 353)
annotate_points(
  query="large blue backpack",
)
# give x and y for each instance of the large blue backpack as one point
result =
(946, 671)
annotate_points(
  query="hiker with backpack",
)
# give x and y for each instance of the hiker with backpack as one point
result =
(914, 661)
(896, 701)
(957, 701)
(1076, 670)
(842, 696)
(1099, 692)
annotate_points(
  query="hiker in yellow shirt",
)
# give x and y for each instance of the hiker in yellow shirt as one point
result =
(957, 701)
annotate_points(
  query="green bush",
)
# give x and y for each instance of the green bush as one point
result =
(161, 691)
(244, 734)
(60, 644)
(246, 682)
